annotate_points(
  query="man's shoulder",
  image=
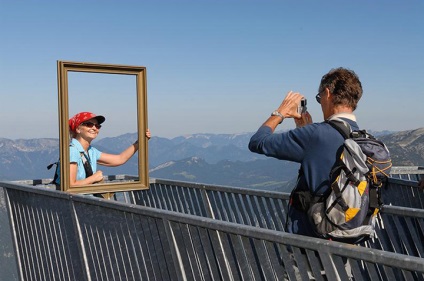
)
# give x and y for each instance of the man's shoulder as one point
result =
(351, 124)
(319, 127)
(323, 132)
(348, 118)
(313, 133)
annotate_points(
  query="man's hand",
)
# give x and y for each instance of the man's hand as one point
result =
(304, 120)
(288, 109)
(290, 104)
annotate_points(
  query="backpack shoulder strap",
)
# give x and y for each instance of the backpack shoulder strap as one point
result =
(87, 165)
(341, 126)
(56, 174)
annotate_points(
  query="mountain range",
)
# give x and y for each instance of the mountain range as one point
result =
(221, 159)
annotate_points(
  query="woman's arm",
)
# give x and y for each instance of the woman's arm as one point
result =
(112, 160)
(96, 177)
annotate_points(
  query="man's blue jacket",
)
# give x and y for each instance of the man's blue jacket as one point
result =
(313, 146)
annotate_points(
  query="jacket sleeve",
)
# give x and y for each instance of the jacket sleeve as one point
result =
(290, 145)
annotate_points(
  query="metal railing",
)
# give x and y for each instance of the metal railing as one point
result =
(58, 236)
(398, 229)
(412, 173)
(403, 193)
(268, 210)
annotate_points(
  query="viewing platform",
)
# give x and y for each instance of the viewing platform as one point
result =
(190, 231)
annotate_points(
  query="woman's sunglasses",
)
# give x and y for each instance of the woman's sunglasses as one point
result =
(91, 124)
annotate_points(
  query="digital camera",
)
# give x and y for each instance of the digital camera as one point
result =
(302, 106)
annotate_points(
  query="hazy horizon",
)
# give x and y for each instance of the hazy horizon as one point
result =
(203, 133)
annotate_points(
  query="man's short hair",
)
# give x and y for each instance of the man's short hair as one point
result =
(344, 85)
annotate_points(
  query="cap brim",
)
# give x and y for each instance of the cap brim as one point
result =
(100, 119)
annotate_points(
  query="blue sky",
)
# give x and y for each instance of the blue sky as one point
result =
(212, 66)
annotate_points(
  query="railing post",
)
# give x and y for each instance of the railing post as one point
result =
(176, 255)
(207, 203)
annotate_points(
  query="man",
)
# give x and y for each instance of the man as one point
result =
(313, 145)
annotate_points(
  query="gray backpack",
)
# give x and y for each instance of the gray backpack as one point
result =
(348, 211)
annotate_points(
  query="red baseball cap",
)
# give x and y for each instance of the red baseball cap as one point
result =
(81, 117)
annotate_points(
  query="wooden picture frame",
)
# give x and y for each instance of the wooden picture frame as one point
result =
(139, 72)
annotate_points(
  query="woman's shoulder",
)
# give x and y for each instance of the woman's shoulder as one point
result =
(73, 149)
(94, 152)
(75, 144)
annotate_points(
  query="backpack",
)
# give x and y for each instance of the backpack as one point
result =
(347, 212)
(56, 174)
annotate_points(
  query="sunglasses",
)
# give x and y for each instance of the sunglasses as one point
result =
(91, 124)
(318, 97)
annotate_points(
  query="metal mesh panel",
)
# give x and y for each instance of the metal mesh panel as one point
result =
(403, 193)
(244, 206)
(401, 232)
(45, 237)
(123, 245)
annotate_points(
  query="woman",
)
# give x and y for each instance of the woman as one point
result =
(84, 128)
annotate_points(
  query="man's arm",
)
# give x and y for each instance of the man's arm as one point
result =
(265, 142)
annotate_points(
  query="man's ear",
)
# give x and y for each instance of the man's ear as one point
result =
(327, 93)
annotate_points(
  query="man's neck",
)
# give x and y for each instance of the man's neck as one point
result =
(342, 109)
(343, 115)
(338, 110)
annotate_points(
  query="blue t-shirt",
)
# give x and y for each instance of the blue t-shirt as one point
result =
(313, 146)
(75, 150)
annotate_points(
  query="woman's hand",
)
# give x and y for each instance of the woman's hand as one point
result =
(97, 177)
(94, 178)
